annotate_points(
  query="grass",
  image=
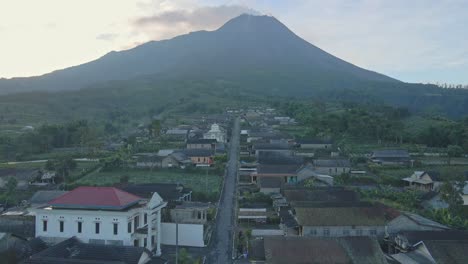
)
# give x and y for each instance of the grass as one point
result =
(198, 181)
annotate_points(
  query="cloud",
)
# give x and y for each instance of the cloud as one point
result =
(107, 36)
(176, 21)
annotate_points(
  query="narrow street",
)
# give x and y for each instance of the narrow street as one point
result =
(221, 243)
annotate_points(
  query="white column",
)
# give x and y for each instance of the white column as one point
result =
(149, 221)
(158, 234)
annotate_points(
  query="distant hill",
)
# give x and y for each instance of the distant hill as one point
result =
(243, 43)
(247, 55)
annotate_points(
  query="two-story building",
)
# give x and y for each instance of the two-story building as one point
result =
(102, 215)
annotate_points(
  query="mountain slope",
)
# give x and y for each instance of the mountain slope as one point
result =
(243, 45)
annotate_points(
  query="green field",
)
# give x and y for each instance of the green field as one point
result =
(446, 172)
(198, 181)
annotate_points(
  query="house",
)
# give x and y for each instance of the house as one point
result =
(314, 144)
(337, 219)
(270, 185)
(333, 167)
(14, 248)
(216, 132)
(177, 134)
(190, 213)
(278, 158)
(43, 197)
(257, 148)
(154, 160)
(408, 221)
(295, 250)
(390, 157)
(73, 250)
(169, 192)
(423, 181)
(430, 247)
(258, 215)
(289, 173)
(148, 160)
(102, 215)
(200, 157)
(201, 143)
(328, 194)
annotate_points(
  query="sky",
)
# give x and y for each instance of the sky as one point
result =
(414, 41)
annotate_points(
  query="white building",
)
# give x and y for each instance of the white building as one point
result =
(102, 215)
(216, 132)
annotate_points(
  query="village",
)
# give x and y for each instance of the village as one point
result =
(174, 189)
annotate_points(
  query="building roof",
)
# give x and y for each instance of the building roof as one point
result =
(448, 252)
(331, 194)
(177, 132)
(103, 198)
(198, 152)
(74, 251)
(390, 153)
(278, 158)
(343, 214)
(359, 250)
(270, 182)
(270, 146)
(422, 221)
(43, 197)
(414, 237)
(314, 141)
(201, 141)
(341, 163)
(167, 191)
(290, 169)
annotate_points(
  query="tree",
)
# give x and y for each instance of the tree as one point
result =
(454, 151)
(451, 193)
(49, 165)
(11, 185)
(63, 166)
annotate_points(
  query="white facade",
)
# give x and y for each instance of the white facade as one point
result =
(189, 234)
(104, 226)
(216, 133)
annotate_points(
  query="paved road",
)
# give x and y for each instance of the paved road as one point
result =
(221, 242)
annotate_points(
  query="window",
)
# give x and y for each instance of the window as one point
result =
(61, 226)
(136, 222)
(97, 228)
(346, 232)
(145, 242)
(199, 215)
(326, 232)
(359, 232)
(129, 227)
(80, 227)
(145, 218)
(44, 225)
(116, 228)
(135, 243)
(343, 170)
(373, 232)
(152, 240)
(313, 232)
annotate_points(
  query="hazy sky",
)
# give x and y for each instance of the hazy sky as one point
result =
(415, 41)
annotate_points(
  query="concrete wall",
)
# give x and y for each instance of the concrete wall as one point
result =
(189, 234)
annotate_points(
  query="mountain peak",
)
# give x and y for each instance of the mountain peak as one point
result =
(251, 23)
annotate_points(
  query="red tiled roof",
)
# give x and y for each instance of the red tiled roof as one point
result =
(95, 198)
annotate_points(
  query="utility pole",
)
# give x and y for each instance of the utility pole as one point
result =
(177, 240)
